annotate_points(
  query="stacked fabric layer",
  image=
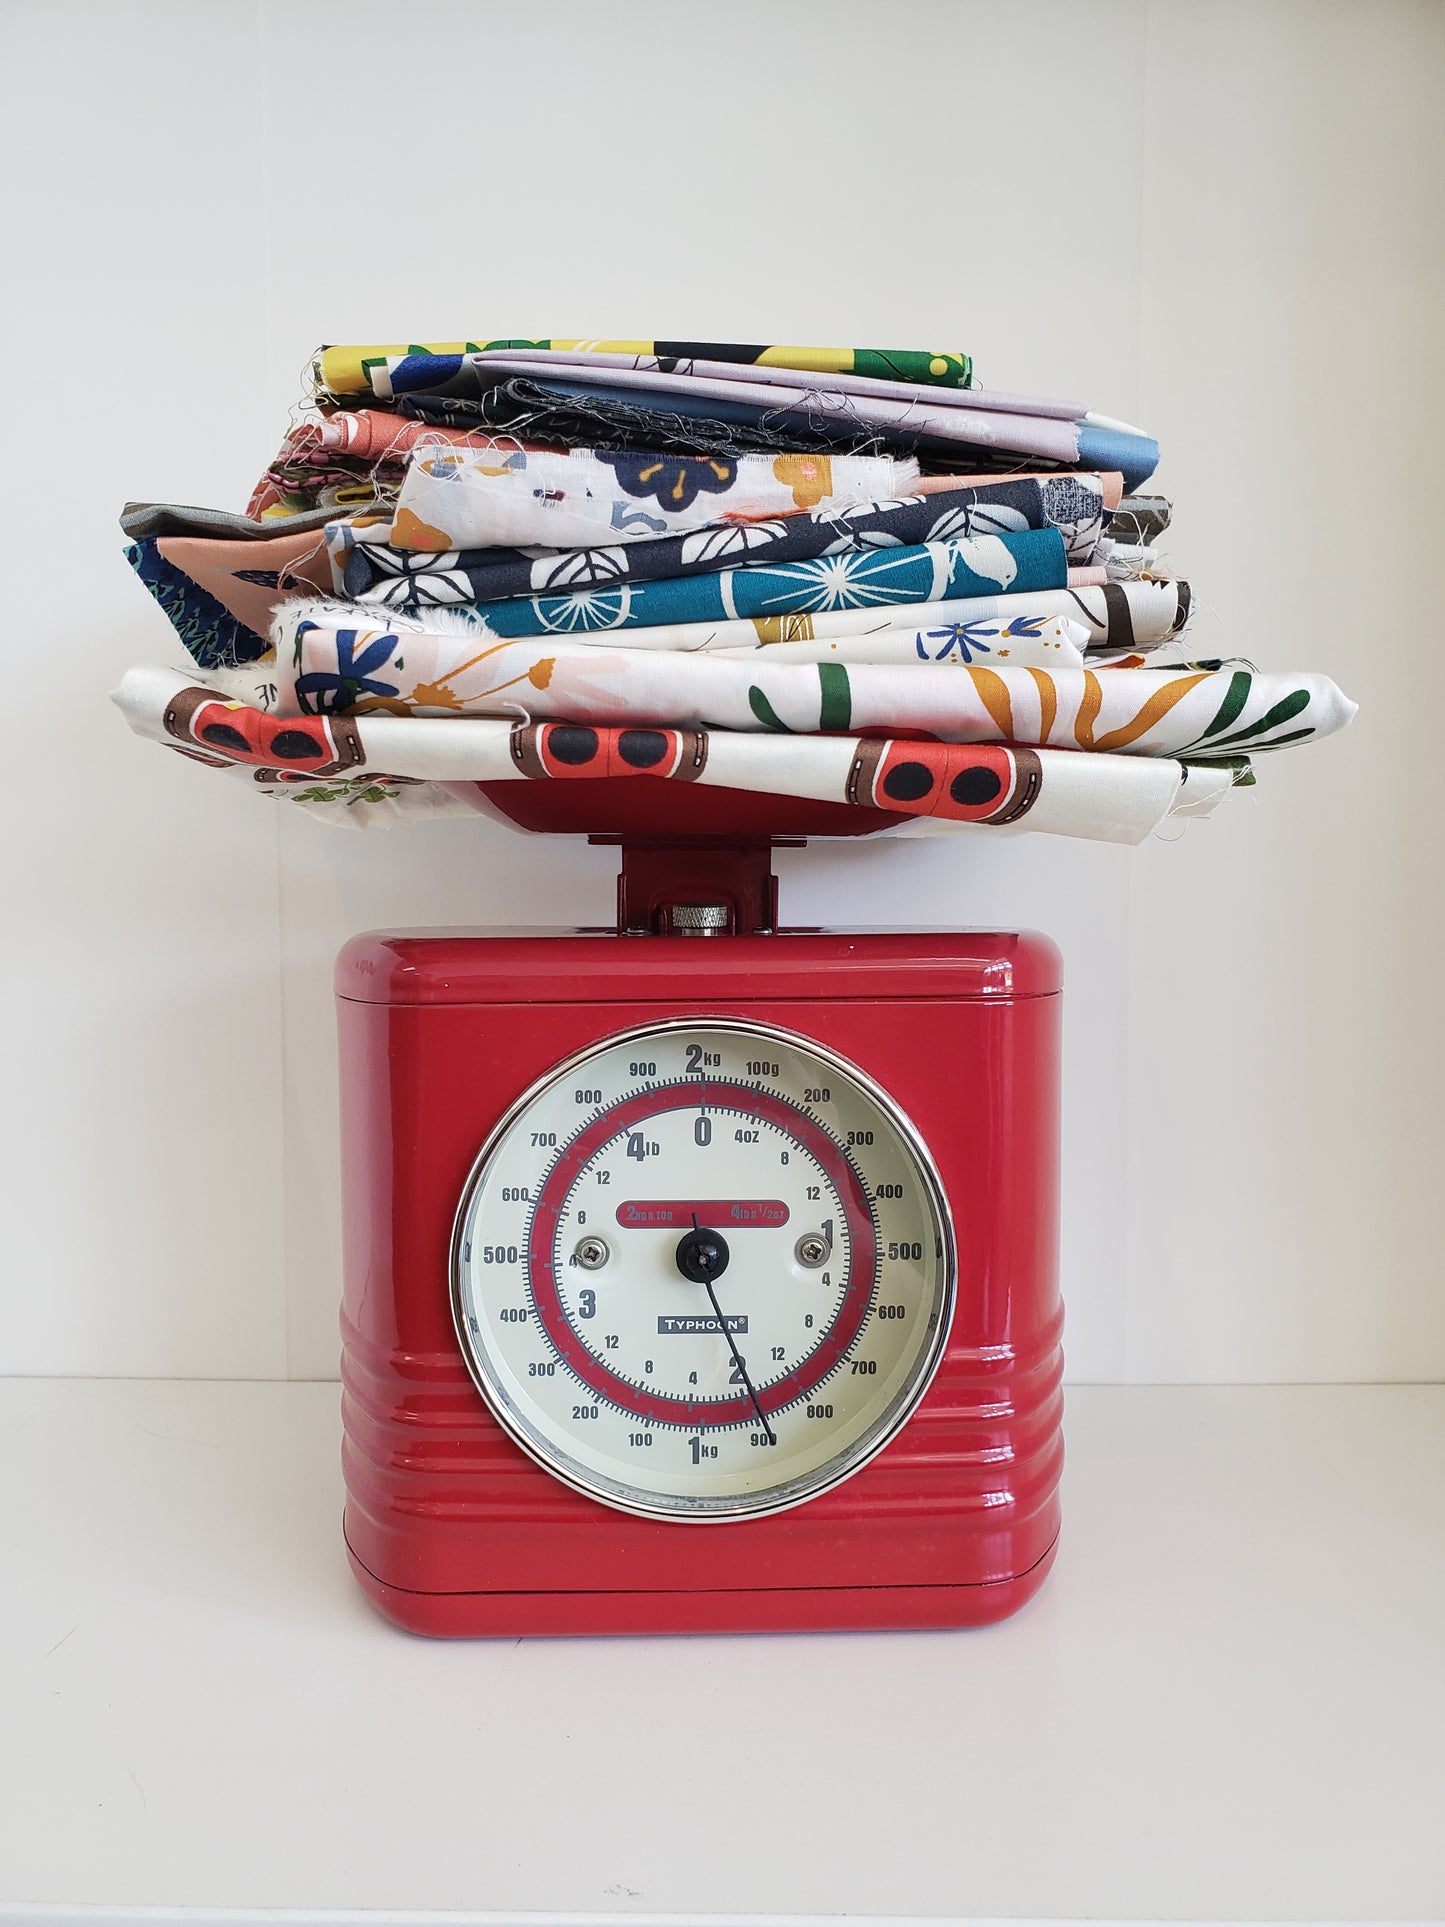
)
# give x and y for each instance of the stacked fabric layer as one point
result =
(848, 575)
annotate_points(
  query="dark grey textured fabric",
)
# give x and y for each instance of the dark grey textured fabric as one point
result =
(1140, 519)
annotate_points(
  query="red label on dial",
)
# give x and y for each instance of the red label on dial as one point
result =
(720, 1214)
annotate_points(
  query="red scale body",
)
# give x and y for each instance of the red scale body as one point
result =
(451, 1527)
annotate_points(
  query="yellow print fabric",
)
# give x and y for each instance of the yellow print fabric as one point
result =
(344, 370)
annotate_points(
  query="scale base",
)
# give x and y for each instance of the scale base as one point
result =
(452, 1529)
(803, 1609)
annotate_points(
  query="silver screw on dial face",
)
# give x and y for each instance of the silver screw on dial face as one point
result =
(592, 1254)
(811, 1250)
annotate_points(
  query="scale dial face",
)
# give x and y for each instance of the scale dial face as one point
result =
(703, 1270)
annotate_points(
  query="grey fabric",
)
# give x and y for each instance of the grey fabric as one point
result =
(141, 519)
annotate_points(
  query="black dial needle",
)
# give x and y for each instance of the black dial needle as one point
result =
(738, 1361)
(698, 1258)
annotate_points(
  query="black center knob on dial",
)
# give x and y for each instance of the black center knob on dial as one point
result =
(702, 1255)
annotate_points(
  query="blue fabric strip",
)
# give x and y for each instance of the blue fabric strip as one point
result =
(1137, 456)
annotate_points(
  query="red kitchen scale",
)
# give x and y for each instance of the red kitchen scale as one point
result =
(700, 1274)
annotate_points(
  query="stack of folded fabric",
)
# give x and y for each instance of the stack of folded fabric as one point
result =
(846, 575)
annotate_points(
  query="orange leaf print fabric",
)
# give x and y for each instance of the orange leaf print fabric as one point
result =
(810, 477)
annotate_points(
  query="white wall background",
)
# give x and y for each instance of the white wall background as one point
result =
(1222, 221)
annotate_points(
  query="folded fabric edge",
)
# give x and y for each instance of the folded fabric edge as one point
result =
(327, 761)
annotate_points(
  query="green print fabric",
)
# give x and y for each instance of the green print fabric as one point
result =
(327, 667)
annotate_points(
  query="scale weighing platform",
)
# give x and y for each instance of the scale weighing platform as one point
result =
(700, 1275)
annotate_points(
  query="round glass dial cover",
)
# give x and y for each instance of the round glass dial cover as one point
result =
(703, 1270)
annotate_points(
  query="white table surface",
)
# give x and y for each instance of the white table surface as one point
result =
(1228, 1703)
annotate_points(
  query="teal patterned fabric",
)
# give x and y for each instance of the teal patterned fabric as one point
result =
(858, 579)
(214, 637)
